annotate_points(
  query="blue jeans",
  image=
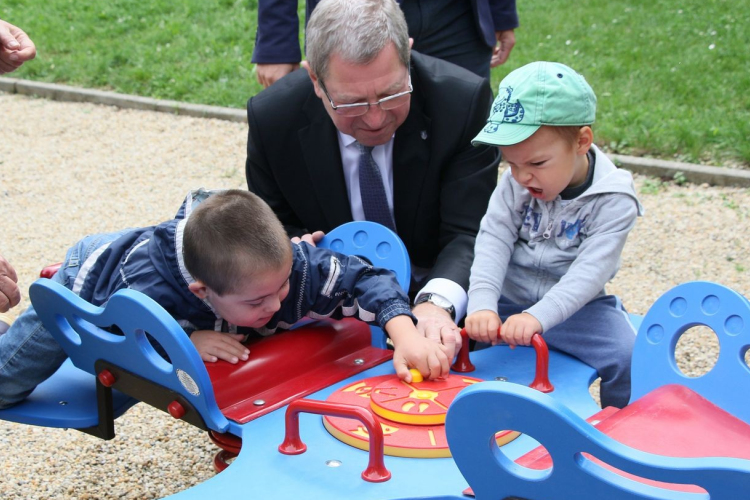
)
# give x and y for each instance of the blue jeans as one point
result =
(29, 354)
(599, 334)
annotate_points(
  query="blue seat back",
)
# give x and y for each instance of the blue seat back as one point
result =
(376, 243)
(685, 306)
(78, 328)
(380, 246)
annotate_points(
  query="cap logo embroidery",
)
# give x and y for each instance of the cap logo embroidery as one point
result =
(491, 128)
(512, 111)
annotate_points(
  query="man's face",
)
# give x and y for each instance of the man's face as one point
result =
(349, 83)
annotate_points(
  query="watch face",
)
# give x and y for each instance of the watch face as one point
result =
(440, 301)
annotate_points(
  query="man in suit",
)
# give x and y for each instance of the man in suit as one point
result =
(475, 34)
(364, 88)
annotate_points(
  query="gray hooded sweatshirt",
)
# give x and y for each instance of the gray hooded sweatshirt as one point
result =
(556, 255)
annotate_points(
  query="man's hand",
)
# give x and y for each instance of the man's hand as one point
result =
(15, 47)
(213, 346)
(519, 328)
(310, 239)
(434, 323)
(506, 40)
(484, 326)
(10, 295)
(268, 73)
(412, 350)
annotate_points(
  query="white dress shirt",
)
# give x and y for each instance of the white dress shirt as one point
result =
(383, 156)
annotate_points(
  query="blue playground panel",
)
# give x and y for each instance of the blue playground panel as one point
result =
(261, 470)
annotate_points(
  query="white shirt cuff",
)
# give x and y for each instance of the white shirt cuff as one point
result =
(451, 291)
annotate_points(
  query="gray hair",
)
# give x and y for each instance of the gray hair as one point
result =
(356, 30)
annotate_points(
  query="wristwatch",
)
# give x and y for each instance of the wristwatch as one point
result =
(439, 301)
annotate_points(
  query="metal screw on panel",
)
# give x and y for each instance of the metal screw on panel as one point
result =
(259, 402)
(359, 361)
(501, 379)
(63, 403)
(333, 463)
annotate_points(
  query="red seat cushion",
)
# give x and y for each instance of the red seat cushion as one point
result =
(671, 421)
(292, 364)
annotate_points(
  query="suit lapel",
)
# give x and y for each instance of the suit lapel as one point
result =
(411, 156)
(320, 148)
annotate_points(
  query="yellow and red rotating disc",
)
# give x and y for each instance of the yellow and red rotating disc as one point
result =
(412, 415)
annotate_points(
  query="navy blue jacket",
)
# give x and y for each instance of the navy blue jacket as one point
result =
(277, 38)
(323, 283)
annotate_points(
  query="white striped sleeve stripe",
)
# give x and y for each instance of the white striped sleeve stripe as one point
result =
(333, 276)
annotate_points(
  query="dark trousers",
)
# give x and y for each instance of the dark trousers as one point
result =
(446, 29)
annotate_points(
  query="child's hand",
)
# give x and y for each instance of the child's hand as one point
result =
(519, 328)
(213, 346)
(412, 350)
(483, 326)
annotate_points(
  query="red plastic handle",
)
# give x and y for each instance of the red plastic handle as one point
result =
(293, 445)
(541, 379)
(463, 363)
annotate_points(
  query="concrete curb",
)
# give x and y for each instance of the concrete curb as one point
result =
(698, 174)
(74, 94)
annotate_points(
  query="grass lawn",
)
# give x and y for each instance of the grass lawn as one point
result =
(671, 76)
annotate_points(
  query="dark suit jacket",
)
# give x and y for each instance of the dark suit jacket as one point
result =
(441, 183)
(277, 36)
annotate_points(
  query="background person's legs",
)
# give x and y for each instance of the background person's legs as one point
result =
(446, 29)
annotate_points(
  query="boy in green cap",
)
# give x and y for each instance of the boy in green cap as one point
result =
(554, 229)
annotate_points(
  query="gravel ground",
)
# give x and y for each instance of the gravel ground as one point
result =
(69, 169)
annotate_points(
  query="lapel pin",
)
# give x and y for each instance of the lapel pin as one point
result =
(423, 134)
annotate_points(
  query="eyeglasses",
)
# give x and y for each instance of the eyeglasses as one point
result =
(360, 108)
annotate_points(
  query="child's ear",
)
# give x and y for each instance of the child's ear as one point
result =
(585, 140)
(199, 289)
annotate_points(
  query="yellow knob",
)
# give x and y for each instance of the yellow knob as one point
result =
(415, 375)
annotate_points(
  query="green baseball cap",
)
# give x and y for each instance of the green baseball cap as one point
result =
(540, 93)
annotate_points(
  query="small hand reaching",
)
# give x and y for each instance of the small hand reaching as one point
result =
(412, 350)
(519, 328)
(484, 326)
(213, 346)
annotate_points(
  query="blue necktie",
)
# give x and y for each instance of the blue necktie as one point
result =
(374, 200)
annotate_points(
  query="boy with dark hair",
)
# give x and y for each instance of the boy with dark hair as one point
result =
(224, 261)
(554, 229)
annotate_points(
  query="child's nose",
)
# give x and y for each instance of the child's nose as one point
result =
(273, 303)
